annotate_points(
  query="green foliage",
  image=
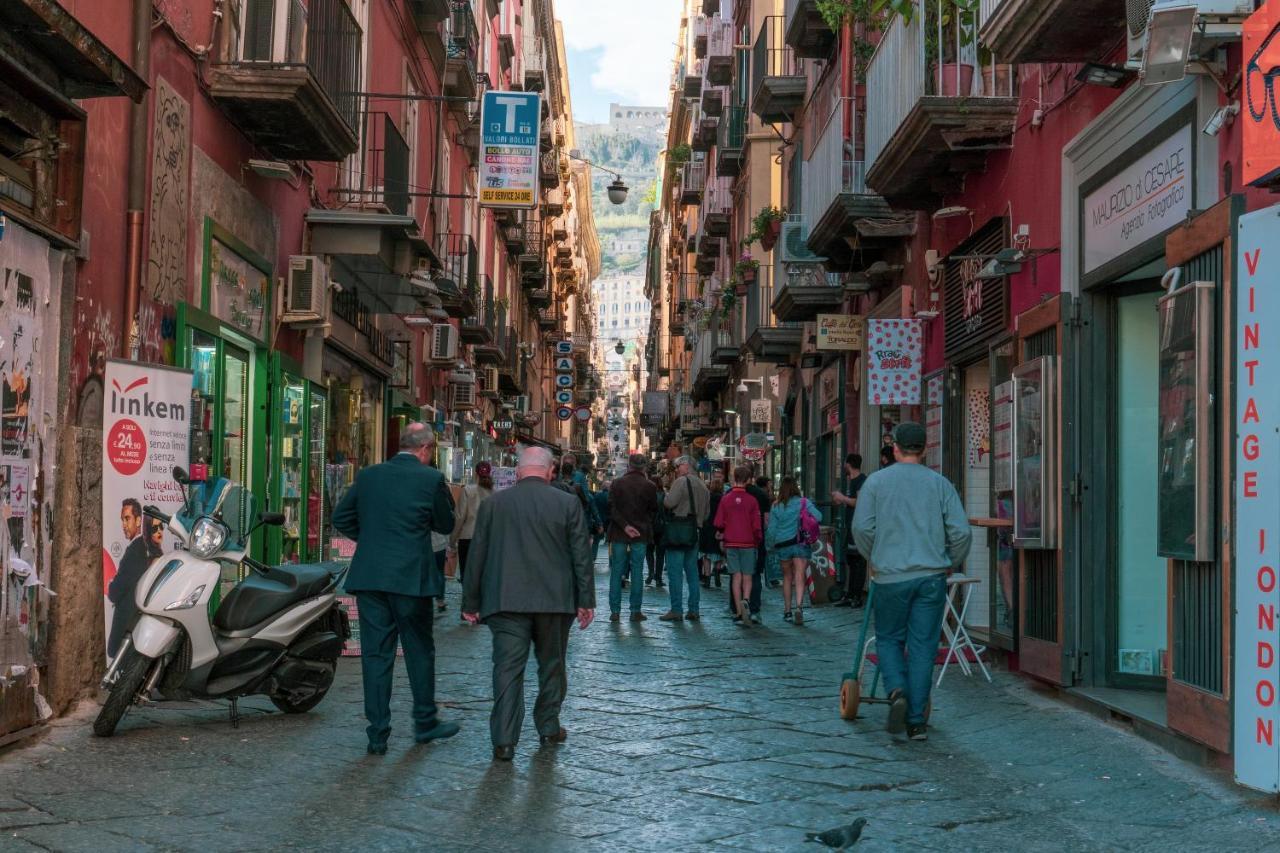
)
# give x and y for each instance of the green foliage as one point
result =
(761, 222)
(650, 197)
(680, 154)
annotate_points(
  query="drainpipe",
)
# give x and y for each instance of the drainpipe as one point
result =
(847, 53)
(137, 178)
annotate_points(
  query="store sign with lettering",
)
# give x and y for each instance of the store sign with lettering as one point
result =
(841, 331)
(1257, 517)
(564, 380)
(564, 365)
(1143, 201)
(509, 127)
(1260, 114)
(895, 353)
(239, 292)
(564, 398)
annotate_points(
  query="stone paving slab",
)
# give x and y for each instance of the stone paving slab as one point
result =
(682, 737)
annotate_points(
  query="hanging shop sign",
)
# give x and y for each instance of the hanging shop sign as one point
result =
(582, 413)
(564, 347)
(564, 364)
(760, 411)
(895, 352)
(564, 398)
(146, 422)
(974, 306)
(841, 331)
(503, 478)
(1146, 199)
(1260, 116)
(504, 425)
(1002, 441)
(509, 127)
(237, 286)
(564, 413)
(1257, 519)
(564, 380)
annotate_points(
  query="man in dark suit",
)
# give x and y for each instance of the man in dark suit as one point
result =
(529, 573)
(390, 511)
(121, 592)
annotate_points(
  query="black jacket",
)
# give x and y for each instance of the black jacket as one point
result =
(633, 500)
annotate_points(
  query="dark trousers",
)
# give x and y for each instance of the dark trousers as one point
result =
(855, 575)
(656, 557)
(513, 633)
(386, 617)
(464, 548)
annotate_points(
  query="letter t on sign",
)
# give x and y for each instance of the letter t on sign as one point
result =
(511, 104)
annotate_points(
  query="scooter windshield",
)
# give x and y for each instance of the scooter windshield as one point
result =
(227, 501)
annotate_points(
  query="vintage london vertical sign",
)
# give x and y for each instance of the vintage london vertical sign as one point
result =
(1257, 493)
(509, 127)
(146, 427)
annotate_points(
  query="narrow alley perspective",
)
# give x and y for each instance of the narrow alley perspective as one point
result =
(575, 425)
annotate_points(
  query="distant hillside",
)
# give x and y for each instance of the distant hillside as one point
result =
(636, 159)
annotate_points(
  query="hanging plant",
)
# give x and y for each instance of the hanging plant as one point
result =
(680, 154)
(746, 268)
(765, 227)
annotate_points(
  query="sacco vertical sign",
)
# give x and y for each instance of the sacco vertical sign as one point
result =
(1257, 486)
(509, 127)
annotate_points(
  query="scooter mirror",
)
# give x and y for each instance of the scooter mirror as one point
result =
(180, 475)
(275, 519)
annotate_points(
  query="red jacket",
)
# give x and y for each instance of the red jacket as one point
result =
(738, 517)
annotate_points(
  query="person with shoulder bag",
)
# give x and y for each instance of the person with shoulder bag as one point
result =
(689, 502)
(794, 528)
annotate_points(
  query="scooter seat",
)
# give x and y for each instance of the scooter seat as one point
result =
(259, 597)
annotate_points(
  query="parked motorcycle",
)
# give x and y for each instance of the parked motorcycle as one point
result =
(277, 633)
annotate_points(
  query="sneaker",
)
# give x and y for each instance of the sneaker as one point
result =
(918, 731)
(786, 615)
(799, 617)
(897, 722)
(742, 613)
(615, 617)
(671, 616)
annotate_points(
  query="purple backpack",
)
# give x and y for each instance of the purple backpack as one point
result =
(809, 530)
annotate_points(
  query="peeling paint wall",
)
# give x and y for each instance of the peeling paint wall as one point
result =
(216, 195)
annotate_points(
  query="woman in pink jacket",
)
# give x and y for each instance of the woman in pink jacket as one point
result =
(738, 520)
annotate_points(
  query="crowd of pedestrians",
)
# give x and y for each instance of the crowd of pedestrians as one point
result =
(526, 558)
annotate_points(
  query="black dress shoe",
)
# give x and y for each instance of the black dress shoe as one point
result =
(439, 731)
(504, 753)
(377, 749)
(557, 738)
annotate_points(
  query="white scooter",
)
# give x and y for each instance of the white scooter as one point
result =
(277, 633)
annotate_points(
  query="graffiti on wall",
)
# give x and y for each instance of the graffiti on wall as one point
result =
(170, 191)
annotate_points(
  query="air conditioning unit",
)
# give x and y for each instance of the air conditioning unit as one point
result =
(463, 377)
(444, 344)
(489, 380)
(520, 404)
(462, 396)
(1137, 16)
(307, 290)
(1214, 23)
(792, 243)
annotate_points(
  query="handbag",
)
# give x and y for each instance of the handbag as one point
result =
(682, 531)
(808, 530)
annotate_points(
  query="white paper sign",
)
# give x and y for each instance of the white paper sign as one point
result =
(1145, 200)
(146, 425)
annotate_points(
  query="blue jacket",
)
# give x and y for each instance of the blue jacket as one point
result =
(784, 521)
(391, 511)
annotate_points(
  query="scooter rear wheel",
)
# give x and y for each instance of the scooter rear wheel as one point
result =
(850, 699)
(285, 703)
(133, 672)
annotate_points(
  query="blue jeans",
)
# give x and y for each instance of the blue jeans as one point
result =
(682, 566)
(910, 614)
(626, 557)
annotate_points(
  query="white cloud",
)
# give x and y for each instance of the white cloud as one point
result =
(637, 42)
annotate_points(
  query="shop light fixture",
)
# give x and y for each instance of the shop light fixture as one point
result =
(1100, 74)
(1222, 117)
(275, 169)
(1169, 37)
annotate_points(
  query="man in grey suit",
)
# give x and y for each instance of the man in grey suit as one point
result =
(528, 574)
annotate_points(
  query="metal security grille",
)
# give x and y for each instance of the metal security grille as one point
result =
(1197, 587)
(1041, 596)
(975, 306)
(1040, 344)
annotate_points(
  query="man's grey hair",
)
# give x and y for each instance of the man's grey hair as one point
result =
(684, 460)
(416, 436)
(638, 461)
(536, 458)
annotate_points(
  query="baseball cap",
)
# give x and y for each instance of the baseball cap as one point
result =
(683, 460)
(909, 436)
(484, 469)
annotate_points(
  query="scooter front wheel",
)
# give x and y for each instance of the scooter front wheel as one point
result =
(133, 672)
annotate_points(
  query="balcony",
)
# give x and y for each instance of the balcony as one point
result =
(478, 329)
(535, 74)
(548, 319)
(429, 13)
(716, 207)
(553, 202)
(719, 66)
(506, 50)
(539, 297)
(730, 137)
(513, 237)
(692, 182)
(779, 87)
(549, 169)
(769, 338)
(692, 85)
(807, 31)
(382, 185)
(929, 124)
(460, 273)
(710, 7)
(461, 49)
(848, 219)
(704, 134)
(700, 37)
(1019, 31)
(713, 100)
(805, 289)
(708, 376)
(290, 83)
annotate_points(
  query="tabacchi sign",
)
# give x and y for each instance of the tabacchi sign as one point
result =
(1257, 524)
(1146, 199)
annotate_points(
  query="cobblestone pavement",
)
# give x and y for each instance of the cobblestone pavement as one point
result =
(686, 736)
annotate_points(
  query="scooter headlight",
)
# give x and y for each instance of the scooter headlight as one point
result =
(189, 602)
(207, 538)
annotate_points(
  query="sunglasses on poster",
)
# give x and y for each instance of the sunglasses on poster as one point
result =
(1259, 85)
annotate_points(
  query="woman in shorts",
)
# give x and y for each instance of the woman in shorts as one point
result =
(783, 537)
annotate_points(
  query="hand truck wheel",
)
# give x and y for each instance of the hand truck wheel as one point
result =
(850, 699)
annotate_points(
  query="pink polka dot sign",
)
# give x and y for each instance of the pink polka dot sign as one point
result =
(895, 358)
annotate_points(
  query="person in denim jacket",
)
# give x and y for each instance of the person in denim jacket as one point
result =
(783, 537)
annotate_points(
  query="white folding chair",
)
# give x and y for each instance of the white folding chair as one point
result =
(959, 644)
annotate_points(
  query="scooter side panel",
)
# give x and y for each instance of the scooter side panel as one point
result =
(152, 637)
(175, 579)
(285, 628)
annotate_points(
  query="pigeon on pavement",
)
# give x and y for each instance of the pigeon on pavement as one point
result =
(840, 838)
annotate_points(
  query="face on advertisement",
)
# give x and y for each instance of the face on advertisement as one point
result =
(130, 519)
(155, 537)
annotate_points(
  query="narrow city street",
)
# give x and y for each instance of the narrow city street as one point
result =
(681, 737)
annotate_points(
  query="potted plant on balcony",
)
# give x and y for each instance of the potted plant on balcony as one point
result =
(745, 270)
(680, 154)
(765, 227)
(957, 20)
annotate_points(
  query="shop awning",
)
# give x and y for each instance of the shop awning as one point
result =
(85, 66)
(374, 254)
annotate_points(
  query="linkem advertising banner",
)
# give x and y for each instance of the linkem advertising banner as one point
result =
(146, 427)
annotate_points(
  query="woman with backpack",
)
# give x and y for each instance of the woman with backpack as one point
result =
(793, 529)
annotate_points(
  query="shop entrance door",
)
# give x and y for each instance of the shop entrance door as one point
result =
(976, 476)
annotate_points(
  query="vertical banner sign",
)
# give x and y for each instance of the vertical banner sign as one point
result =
(933, 438)
(1257, 533)
(895, 352)
(509, 126)
(1259, 122)
(146, 423)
